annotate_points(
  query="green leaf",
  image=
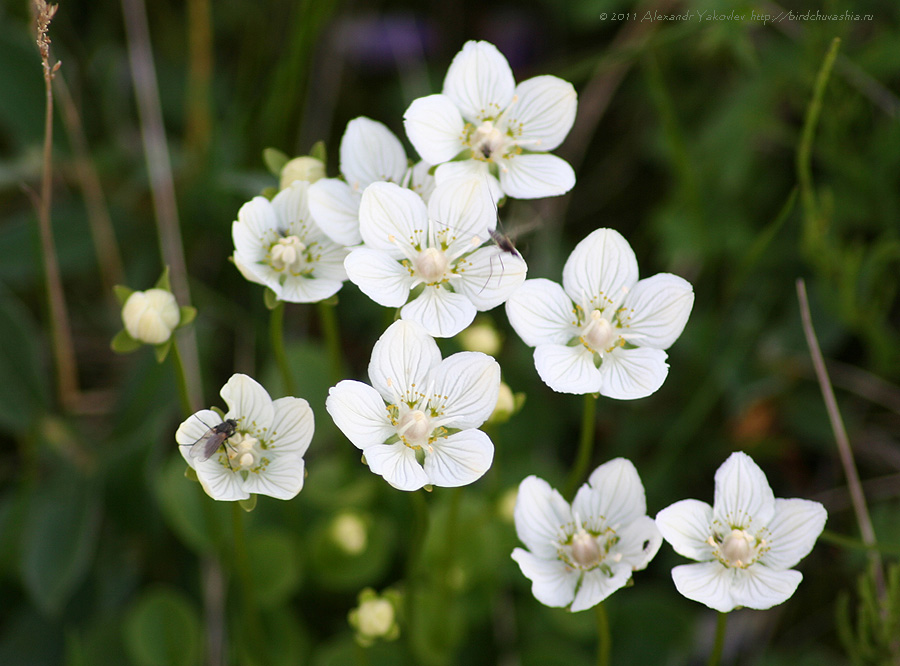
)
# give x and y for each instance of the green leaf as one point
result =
(163, 629)
(122, 293)
(198, 520)
(319, 152)
(274, 160)
(25, 392)
(276, 566)
(124, 343)
(58, 539)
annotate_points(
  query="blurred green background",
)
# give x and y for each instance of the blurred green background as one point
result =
(686, 141)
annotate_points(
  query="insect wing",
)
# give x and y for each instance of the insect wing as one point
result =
(208, 444)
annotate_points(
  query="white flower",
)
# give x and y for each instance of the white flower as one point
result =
(496, 126)
(277, 244)
(603, 331)
(151, 316)
(369, 153)
(746, 542)
(418, 425)
(579, 555)
(435, 250)
(265, 453)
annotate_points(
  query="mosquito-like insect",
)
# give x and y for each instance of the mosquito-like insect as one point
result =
(212, 440)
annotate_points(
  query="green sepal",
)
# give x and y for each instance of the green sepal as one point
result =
(274, 160)
(191, 474)
(124, 343)
(122, 293)
(319, 152)
(248, 504)
(163, 281)
(162, 350)
(269, 192)
(331, 301)
(187, 315)
(270, 299)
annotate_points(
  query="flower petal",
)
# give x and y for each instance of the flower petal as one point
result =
(301, 289)
(687, 526)
(597, 585)
(793, 531)
(390, 214)
(378, 276)
(659, 309)
(639, 542)
(479, 81)
(292, 426)
(402, 358)
(421, 181)
(435, 128)
(398, 465)
(709, 583)
(219, 481)
(439, 311)
(468, 383)
(461, 209)
(601, 270)
(567, 369)
(491, 277)
(552, 582)
(359, 412)
(370, 152)
(195, 427)
(335, 208)
(543, 112)
(249, 402)
(541, 313)
(743, 497)
(535, 176)
(282, 478)
(613, 491)
(628, 374)
(291, 205)
(459, 459)
(469, 169)
(760, 587)
(540, 514)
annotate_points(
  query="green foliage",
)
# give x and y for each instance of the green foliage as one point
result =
(870, 635)
(163, 629)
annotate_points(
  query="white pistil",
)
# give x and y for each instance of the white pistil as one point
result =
(586, 552)
(287, 254)
(431, 264)
(599, 335)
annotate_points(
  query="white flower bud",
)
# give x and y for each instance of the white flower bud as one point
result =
(375, 618)
(349, 532)
(301, 168)
(151, 316)
(481, 337)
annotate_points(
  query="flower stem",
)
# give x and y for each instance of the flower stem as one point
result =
(416, 546)
(254, 635)
(585, 446)
(716, 656)
(276, 333)
(181, 378)
(329, 322)
(604, 641)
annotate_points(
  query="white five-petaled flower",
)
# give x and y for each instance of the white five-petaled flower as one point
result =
(277, 244)
(746, 542)
(580, 555)
(493, 126)
(418, 425)
(603, 331)
(264, 455)
(434, 250)
(369, 153)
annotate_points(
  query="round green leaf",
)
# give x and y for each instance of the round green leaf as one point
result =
(163, 629)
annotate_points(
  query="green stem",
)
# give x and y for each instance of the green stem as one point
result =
(604, 641)
(181, 378)
(420, 529)
(716, 656)
(585, 446)
(253, 634)
(276, 333)
(329, 322)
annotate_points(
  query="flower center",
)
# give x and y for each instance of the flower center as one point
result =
(244, 452)
(739, 549)
(586, 552)
(587, 549)
(287, 254)
(599, 335)
(414, 428)
(488, 142)
(431, 264)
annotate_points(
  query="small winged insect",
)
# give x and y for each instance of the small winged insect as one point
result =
(504, 243)
(213, 439)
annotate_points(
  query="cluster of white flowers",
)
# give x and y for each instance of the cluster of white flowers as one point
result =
(422, 244)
